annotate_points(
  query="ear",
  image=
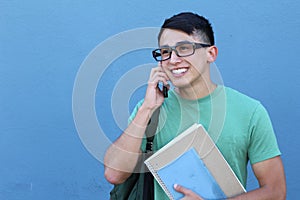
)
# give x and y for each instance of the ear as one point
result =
(212, 53)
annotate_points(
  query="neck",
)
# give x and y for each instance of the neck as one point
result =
(197, 92)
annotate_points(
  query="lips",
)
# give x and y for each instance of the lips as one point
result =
(179, 71)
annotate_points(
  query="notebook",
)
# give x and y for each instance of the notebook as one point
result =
(193, 160)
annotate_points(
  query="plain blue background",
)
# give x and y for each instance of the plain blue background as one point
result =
(43, 43)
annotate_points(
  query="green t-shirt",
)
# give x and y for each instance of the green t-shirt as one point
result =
(239, 125)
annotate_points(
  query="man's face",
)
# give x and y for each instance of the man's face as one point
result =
(184, 71)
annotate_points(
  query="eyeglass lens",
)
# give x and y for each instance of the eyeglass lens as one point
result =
(181, 50)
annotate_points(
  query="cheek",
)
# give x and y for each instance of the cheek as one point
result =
(165, 65)
(199, 60)
(198, 66)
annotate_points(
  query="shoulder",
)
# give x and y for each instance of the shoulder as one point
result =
(135, 109)
(244, 107)
(240, 100)
(233, 94)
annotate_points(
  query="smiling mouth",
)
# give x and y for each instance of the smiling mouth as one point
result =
(179, 71)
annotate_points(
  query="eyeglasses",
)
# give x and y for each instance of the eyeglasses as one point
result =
(182, 49)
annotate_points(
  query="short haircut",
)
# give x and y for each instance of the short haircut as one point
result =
(191, 24)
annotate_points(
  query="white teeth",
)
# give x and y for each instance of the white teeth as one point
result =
(179, 71)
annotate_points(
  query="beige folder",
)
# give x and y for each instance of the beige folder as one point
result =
(197, 138)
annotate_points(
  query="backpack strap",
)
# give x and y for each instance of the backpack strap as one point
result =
(151, 129)
(148, 187)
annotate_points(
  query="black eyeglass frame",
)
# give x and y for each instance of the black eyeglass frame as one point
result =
(155, 54)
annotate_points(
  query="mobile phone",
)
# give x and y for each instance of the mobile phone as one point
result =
(164, 88)
(165, 91)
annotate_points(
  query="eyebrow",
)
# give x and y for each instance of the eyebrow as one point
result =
(178, 43)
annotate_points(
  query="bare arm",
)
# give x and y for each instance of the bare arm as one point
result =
(271, 178)
(122, 156)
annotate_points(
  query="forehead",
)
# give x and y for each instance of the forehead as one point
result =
(170, 37)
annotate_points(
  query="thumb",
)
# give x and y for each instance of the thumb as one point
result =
(180, 189)
(188, 194)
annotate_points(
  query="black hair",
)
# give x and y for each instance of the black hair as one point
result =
(191, 24)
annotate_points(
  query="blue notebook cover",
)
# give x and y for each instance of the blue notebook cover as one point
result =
(189, 171)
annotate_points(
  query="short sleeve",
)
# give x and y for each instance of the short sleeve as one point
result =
(132, 116)
(263, 143)
(136, 108)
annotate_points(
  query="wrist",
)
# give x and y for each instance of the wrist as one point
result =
(140, 122)
(143, 115)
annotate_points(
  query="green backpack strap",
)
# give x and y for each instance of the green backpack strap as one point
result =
(151, 129)
(148, 187)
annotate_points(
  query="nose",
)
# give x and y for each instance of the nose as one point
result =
(174, 58)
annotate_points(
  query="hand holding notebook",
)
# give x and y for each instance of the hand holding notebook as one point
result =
(194, 161)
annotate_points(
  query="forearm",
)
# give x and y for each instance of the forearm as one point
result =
(271, 178)
(263, 193)
(123, 155)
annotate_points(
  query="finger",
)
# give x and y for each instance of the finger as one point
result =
(159, 77)
(160, 66)
(180, 189)
(163, 70)
(157, 70)
(188, 194)
(162, 76)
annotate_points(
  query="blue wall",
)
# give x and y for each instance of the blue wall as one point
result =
(43, 44)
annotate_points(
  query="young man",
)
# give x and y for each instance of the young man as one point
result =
(239, 125)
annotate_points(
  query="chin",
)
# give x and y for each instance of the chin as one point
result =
(181, 85)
